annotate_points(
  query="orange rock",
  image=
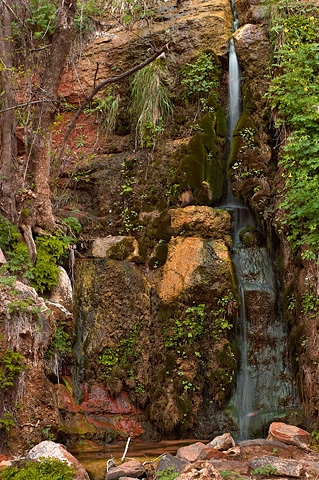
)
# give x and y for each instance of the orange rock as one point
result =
(289, 434)
(191, 453)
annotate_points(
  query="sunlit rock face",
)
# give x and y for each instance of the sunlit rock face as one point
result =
(193, 26)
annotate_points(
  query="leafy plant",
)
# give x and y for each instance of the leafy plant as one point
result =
(200, 78)
(73, 224)
(46, 469)
(11, 364)
(6, 422)
(221, 322)
(49, 250)
(294, 94)
(61, 344)
(167, 474)
(27, 305)
(265, 470)
(150, 99)
(106, 108)
(123, 352)
(186, 329)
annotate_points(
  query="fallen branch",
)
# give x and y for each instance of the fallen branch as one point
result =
(126, 448)
(95, 90)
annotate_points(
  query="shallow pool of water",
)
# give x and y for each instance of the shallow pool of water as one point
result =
(94, 459)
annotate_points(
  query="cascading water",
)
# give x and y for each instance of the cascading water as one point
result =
(264, 389)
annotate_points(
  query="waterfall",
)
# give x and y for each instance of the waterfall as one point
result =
(264, 389)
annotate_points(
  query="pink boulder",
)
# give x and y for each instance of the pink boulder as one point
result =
(289, 434)
(49, 449)
(191, 453)
(223, 442)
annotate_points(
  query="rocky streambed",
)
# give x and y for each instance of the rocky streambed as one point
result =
(285, 454)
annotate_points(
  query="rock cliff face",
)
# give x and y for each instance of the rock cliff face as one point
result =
(156, 296)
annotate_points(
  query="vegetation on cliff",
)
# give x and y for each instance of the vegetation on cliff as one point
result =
(294, 95)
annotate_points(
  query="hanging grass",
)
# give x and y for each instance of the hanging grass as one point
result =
(151, 105)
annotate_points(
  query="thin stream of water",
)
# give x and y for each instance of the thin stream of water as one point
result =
(264, 387)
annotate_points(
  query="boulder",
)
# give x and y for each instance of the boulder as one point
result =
(254, 448)
(252, 47)
(131, 469)
(118, 248)
(230, 466)
(2, 257)
(289, 434)
(49, 449)
(222, 442)
(268, 464)
(200, 470)
(4, 462)
(62, 293)
(190, 453)
(195, 267)
(171, 462)
(186, 198)
(202, 221)
(202, 25)
(209, 452)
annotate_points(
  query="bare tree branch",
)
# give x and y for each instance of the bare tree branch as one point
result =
(95, 91)
(16, 107)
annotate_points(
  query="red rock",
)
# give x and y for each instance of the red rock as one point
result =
(98, 400)
(132, 469)
(4, 464)
(233, 452)
(191, 453)
(289, 434)
(209, 452)
(48, 449)
(3, 458)
(223, 442)
(65, 400)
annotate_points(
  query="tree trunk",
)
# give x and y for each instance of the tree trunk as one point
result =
(41, 212)
(8, 144)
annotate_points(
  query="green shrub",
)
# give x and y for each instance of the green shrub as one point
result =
(10, 366)
(186, 329)
(201, 77)
(49, 250)
(46, 469)
(294, 93)
(167, 474)
(150, 105)
(6, 422)
(61, 344)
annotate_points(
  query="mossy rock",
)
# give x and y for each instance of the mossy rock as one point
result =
(237, 143)
(221, 123)
(250, 107)
(251, 237)
(122, 249)
(245, 121)
(212, 101)
(170, 362)
(164, 230)
(161, 252)
(202, 170)
(184, 407)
